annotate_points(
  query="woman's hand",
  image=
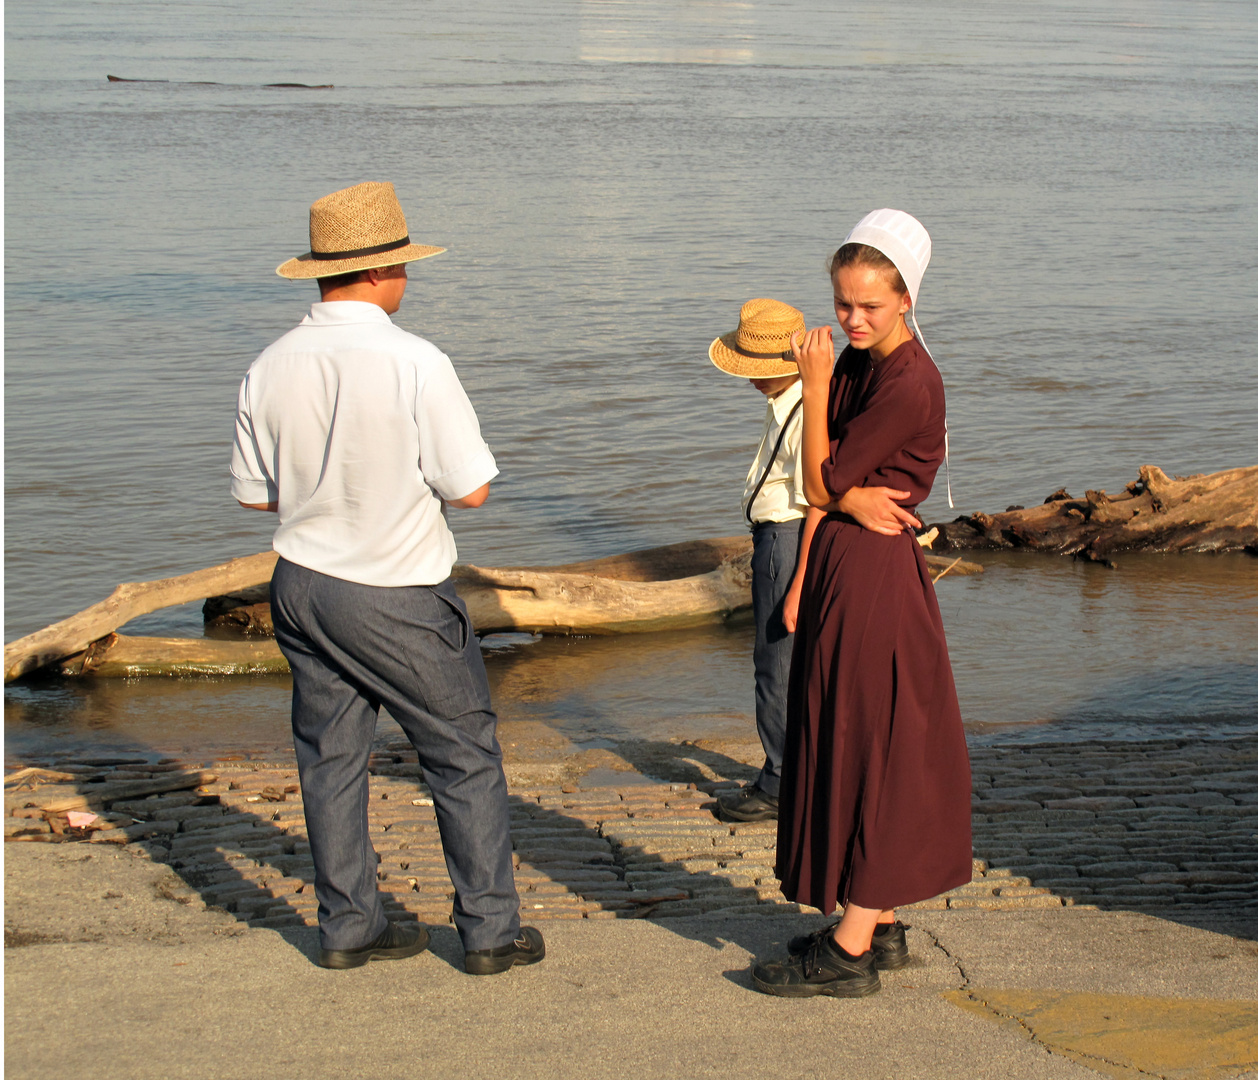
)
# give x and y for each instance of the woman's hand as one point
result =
(813, 351)
(790, 603)
(875, 508)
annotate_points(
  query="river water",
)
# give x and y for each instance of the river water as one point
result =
(612, 182)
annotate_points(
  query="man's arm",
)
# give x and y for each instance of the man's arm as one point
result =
(468, 502)
(273, 507)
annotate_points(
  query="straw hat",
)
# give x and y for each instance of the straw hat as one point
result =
(901, 238)
(761, 346)
(359, 228)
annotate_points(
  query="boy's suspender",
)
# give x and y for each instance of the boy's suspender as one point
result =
(772, 458)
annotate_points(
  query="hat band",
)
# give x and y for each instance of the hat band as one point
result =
(330, 256)
(779, 355)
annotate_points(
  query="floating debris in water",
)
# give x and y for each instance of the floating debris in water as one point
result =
(206, 82)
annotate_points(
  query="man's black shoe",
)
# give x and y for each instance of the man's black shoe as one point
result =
(396, 942)
(747, 804)
(890, 946)
(821, 970)
(528, 948)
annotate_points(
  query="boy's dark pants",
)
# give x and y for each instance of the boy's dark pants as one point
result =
(775, 549)
(353, 648)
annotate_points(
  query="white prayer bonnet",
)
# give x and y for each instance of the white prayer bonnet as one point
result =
(901, 238)
(904, 240)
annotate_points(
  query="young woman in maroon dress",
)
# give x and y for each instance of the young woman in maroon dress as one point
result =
(875, 800)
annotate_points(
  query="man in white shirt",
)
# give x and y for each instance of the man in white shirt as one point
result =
(359, 435)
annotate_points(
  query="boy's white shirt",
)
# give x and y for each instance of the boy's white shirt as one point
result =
(782, 496)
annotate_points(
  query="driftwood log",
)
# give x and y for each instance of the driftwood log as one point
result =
(675, 586)
(660, 588)
(124, 656)
(128, 601)
(1205, 513)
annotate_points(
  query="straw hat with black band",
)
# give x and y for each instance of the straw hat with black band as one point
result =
(359, 228)
(761, 346)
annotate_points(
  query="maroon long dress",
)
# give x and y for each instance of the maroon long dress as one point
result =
(875, 797)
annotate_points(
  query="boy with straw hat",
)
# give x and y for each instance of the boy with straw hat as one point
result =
(782, 524)
(359, 435)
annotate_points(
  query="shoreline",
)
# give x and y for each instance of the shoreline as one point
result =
(1163, 827)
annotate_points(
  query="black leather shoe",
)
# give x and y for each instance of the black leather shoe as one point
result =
(396, 942)
(528, 948)
(890, 947)
(747, 804)
(821, 970)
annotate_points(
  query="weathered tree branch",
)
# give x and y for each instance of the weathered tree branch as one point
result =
(122, 656)
(1205, 513)
(674, 586)
(126, 602)
(668, 587)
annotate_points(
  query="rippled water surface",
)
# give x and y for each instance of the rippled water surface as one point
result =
(612, 182)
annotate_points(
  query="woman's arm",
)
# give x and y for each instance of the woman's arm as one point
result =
(814, 353)
(875, 507)
(790, 605)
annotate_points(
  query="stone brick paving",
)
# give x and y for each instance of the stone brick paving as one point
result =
(1166, 828)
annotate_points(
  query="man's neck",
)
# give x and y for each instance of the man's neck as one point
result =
(361, 292)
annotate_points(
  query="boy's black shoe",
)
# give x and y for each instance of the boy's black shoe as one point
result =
(397, 941)
(528, 948)
(747, 804)
(890, 947)
(823, 969)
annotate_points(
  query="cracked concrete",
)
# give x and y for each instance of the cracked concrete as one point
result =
(111, 974)
(956, 961)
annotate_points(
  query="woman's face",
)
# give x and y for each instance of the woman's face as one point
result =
(869, 310)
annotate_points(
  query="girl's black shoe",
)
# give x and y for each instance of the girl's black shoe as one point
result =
(890, 946)
(823, 969)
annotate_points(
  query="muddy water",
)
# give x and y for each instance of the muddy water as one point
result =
(612, 182)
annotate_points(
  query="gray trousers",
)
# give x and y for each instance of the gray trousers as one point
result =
(775, 548)
(353, 648)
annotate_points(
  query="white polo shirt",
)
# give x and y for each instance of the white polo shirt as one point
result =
(782, 496)
(358, 429)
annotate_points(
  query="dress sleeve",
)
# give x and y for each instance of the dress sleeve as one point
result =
(453, 457)
(894, 411)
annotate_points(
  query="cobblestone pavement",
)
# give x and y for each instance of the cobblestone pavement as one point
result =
(1167, 828)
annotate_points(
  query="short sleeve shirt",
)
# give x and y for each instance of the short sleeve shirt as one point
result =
(358, 430)
(781, 497)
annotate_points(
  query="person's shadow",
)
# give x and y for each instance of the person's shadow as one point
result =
(234, 836)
